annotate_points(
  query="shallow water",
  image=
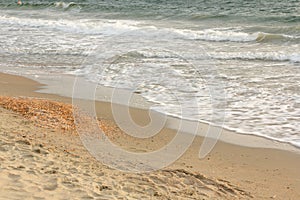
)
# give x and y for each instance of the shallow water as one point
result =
(235, 64)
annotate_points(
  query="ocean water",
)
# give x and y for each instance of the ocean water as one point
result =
(232, 63)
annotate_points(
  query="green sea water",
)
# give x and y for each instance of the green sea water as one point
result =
(197, 10)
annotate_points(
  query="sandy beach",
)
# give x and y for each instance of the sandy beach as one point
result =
(42, 157)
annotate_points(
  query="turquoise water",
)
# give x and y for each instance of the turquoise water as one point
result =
(171, 52)
(257, 10)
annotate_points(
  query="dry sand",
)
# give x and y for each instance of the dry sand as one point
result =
(42, 158)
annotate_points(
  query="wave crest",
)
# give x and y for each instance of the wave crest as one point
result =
(264, 56)
(233, 36)
(65, 5)
(266, 37)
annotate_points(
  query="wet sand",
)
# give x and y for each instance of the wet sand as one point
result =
(50, 162)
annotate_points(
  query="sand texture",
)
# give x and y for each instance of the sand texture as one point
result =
(44, 163)
(42, 157)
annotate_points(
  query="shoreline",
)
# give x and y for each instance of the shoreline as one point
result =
(262, 172)
(53, 87)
